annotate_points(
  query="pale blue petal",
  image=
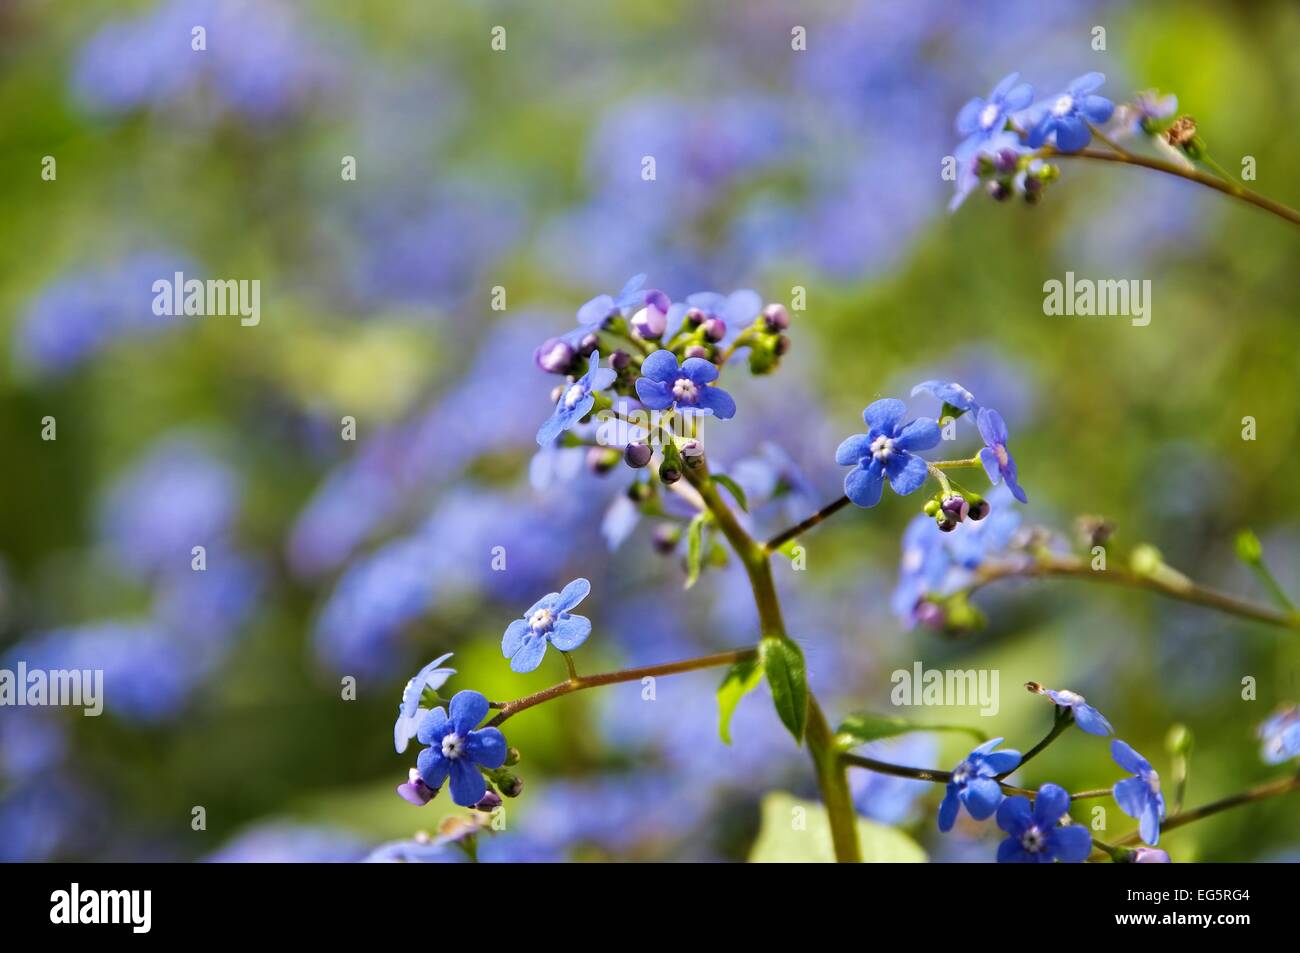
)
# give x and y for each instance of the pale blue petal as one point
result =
(467, 784)
(883, 416)
(907, 473)
(853, 449)
(864, 485)
(487, 747)
(467, 710)
(572, 594)
(570, 632)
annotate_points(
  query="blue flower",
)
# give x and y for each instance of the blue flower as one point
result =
(884, 452)
(1085, 716)
(950, 393)
(1035, 836)
(1281, 736)
(456, 749)
(1139, 796)
(664, 384)
(1068, 115)
(974, 783)
(409, 714)
(1147, 110)
(576, 401)
(548, 620)
(593, 314)
(982, 119)
(997, 460)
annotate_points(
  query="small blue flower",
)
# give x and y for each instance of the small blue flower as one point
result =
(1085, 716)
(409, 713)
(548, 620)
(1147, 110)
(883, 451)
(974, 783)
(663, 384)
(576, 401)
(1034, 833)
(1281, 736)
(1139, 796)
(982, 119)
(456, 749)
(593, 314)
(1068, 115)
(997, 459)
(950, 393)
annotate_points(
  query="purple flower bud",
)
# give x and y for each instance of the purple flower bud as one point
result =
(927, 613)
(698, 350)
(980, 510)
(1149, 855)
(589, 343)
(664, 538)
(955, 507)
(619, 360)
(694, 318)
(946, 523)
(999, 190)
(782, 345)
(652, 320)
(637, 455)
(669, 474)
(776, 317)
(554, 356)
(510, 785)
(715, 329)
(489, 802)
(416, 791)
(1006, 161)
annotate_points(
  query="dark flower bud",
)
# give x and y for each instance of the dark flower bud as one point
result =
(999, 190)
(715, 329)
(489, 802)
(698, 350)
(512, 756)
(1095, 530)
(510, 785)
(776, 318)
(652, 320)
(782, 345)
(1033, 185)
(554, 356)
(600, 460)
(588, 344)
(1006, 161)
(955, 507)
(664, 538)
(945, 522)
(927, 613)
(639, 492)
(637, 455)
(980, 509)
(694, 318)
(668, 473)
(619, 360)
(692, 452)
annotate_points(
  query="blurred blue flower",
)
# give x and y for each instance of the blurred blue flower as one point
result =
(884, 797)
(1140, 796)
(457, 749)
(974, 783)
(289, 842)
(1085, 716)
(884, 451)
(1034, 832)
(576, 400)
(949, 392)
(689, 386)
(1281, 736)
(549, 620)
(433, 676)
(1067, 116)
(982, 119)
(594, 313)
(997, 460)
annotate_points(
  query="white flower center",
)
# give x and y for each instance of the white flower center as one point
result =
(453, 746)
(1069, 698)
(541, 620)
(1063, 106)
(989, 115)
(574, 394)
(882, 448)
(684, 389)
(1032, 840)
(962, 773)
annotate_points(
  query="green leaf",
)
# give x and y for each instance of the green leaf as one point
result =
(863, 727)
(741, 679)
(798, 831)
(694, 549)
(788, 679)
(734, 487)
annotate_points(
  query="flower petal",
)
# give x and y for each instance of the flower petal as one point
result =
(570, 632)
(1000, 762)
(948, 809)
(572, 594)
(1014, 814)
(432, 726)
(1131, 796)
(864, 485)
(993, 429)
(699, 370)
(487, 747)
(1070, 844)
(982, 797)
(1128, 759)
(467, 784)
(433, 767)
(990, 461)
(853, 449)
(467, 710)
(1072, 133)
(1051, 804)
(718, 401)
(1010, 851)
(1004, 86)
(968, 118)
(514, 637)
(654, 394)
(1097, 109)
(1018, 98)
(660, 366)
(1085, 84)
(907, 473)
(1091, 720)
(530, 653)
(1149, 822)
(884, 415)
(919, 434)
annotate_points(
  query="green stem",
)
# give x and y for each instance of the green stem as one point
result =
(783, 537)
(1064, 719)
(833, 780)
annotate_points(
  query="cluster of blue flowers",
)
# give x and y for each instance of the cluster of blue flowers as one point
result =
(1041, 831)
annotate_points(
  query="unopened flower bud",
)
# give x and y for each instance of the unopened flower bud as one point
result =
(1006, 161)
(945, 522)
(512, 756)
(489, 802)
(715, 329)
(669, 474)
(980, 509)
(693, 318)
(776, 318)
(554, 356)
(931, 507)
(692, 452)
(589, 343)
(782, 345)
(927, 613)
(600, 460)
(664, 538)
(999, 190)
(1148, 855)
(637, 455)
(510, 785)
(652, 320)
(955, 507)
(698, 350)
(415, 790)
(639, 492)
(619, 360)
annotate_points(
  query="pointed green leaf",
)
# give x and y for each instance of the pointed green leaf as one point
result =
(788, 678)
(734, 487)
(863, 727)
(741, 679)
(694, 549)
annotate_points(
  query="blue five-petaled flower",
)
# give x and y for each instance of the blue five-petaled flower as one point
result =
(1068, 115)
(1281, 735)
(1034, 834)
(457, 750)
(1085, 716)
(576, 401)
(982, 119)
(664, 384)
(974, 783)
(885, 451)
(997, 459)
(950, 392)
(409, 713)
(549, 620)
(1139, 796)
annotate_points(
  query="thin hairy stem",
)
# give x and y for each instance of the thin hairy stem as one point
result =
(935, 776)
(783, 537)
